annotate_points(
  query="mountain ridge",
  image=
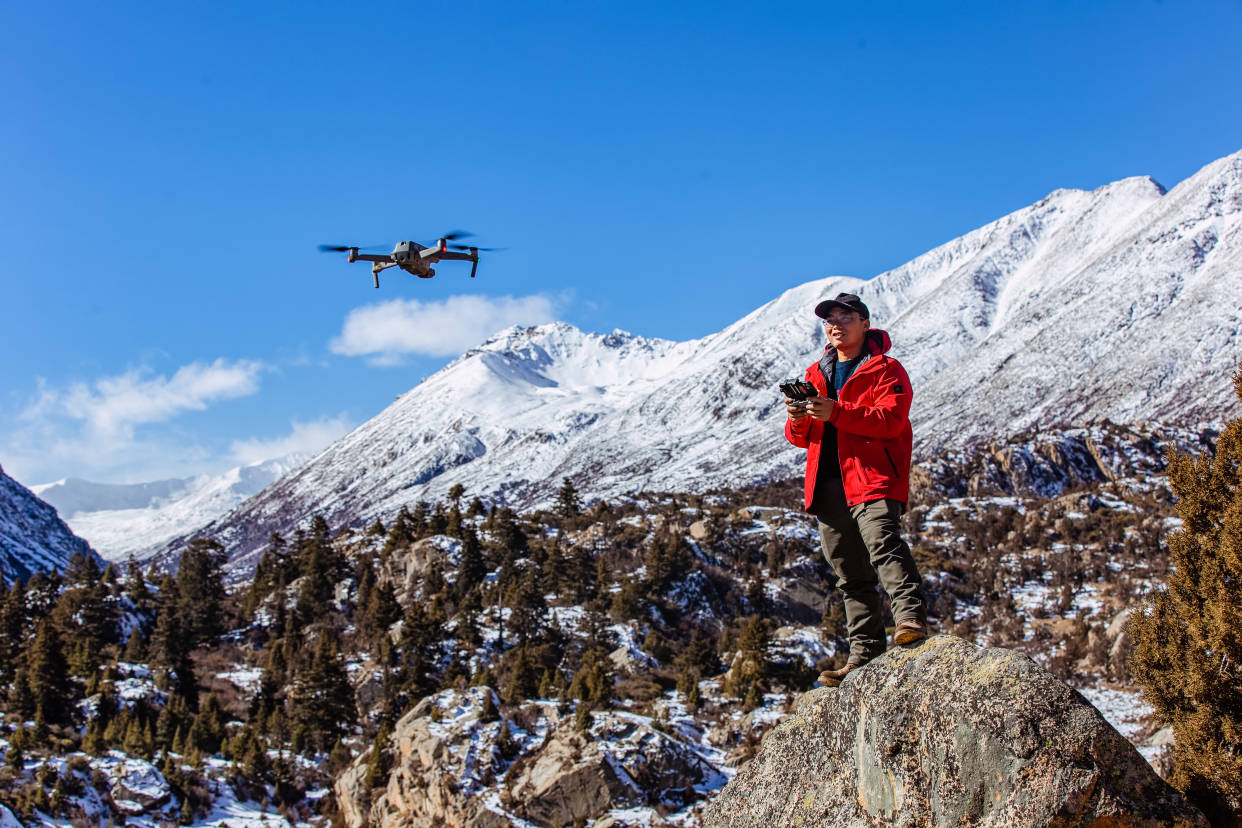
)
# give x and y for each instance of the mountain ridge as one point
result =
(33, 538)
(1070, 311)
(124, 520)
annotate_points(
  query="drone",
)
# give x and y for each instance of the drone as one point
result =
(413, 257)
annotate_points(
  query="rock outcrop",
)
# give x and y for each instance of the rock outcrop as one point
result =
(947, 734)
(622, 761)
(457, 762)
(442, 752)
(1050, 462)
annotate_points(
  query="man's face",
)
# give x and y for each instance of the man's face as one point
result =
(845, 329)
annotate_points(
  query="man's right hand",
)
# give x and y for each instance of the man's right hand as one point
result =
(797, 411)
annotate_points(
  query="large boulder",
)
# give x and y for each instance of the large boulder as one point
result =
(622, 761)
(947, 734)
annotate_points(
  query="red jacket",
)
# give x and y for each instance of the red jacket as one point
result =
(872, 417)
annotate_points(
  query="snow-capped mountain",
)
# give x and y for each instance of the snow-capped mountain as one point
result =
(135, 519)
(33, 538)
(1123, 303)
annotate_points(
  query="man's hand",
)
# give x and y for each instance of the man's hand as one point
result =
(797, 411)
(820, 407)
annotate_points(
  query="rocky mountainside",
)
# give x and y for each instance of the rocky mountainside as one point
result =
(1121, 304)
(135, 519)
(1047, 463)
(945, 733)
(33, 538)
(610, 667)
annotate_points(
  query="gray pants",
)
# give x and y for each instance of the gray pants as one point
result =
(860, 543)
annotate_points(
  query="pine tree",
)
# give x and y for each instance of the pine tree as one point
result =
(169, 648)
(593, 683)
(455, 493)
(339, 758)
(81, 571)
(20, 699)
(12, 629)
(317, 589)
(1188, 637)
(322, 700)
(693, 700)
(582, 575)
(378, 761)
(208, 731)
(667, 560)
(200, 592)
(406, 529)
(382, 610)
(270, 571)
(48, 676)
(135, 648)
(471, 568)
(42, 590)
(568, 504)
(529, 608)
(523, 683)
(454, 527)
(136, 586)
(87, 615)
(437, 523)
(750, 669)
(419, 649)
(248, 752)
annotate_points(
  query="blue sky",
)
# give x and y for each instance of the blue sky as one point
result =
(169, 168)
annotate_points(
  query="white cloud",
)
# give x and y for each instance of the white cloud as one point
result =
(305, 438)
(47, 451)
(90, 427)
(388, 331)
(111, 406)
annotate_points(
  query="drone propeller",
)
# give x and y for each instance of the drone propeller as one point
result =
(451, 235)
(343, 248)
(482, 249)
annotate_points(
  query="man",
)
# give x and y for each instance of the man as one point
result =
(857, 435)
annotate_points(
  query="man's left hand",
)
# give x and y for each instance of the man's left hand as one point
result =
(820, 407)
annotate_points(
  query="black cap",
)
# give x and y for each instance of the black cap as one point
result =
(845, 301)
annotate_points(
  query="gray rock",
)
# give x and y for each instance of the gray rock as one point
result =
(437, 769)
(622, 762)
(947, 734)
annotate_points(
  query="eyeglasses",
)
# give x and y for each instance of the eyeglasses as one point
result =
(840, 321)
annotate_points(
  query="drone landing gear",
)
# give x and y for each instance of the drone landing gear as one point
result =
(375, 269)
(473, 267)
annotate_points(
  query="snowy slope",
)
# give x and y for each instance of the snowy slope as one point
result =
(1122, 303)
(32, 537)
(121, 520)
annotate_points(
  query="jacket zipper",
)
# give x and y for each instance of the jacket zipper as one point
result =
(896, 473)
(833, 393)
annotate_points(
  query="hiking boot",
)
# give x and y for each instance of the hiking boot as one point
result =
(832, 678)
(909, 632)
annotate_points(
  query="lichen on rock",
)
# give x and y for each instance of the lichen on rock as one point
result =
(946, 733)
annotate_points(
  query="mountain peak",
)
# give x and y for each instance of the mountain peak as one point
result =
(1070, 311)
